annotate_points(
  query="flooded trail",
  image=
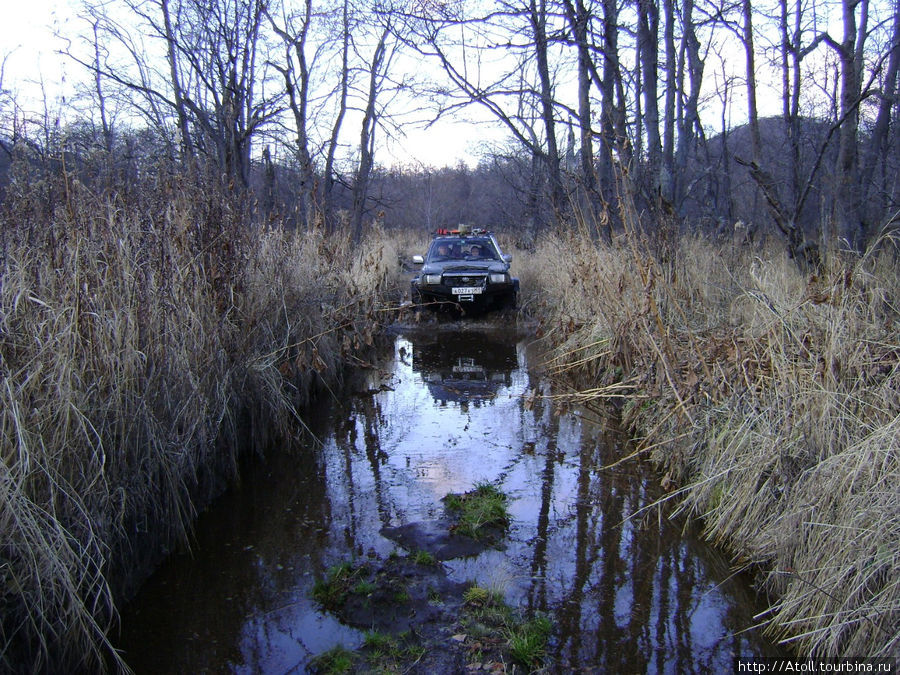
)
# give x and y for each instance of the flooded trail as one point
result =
(448, 407)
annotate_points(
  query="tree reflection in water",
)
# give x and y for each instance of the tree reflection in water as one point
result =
(447, 410)
(627, 594)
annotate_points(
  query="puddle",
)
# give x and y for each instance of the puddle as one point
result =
(452, 406)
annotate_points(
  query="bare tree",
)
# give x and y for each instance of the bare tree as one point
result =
(5, 143)
(293, 29)
(674, 83)
(691, 65)
(378, 68)
(174, 72)
(877, 149)
(343, 89)
(648, 58)
(791, 65)
(848, 207)
(318, 68)
(101, 98)
(211, 81)
(199, 73)
(224, 44)
(785, 205)
(613, 125)
(520, 94)
(579, 18)
(537, 17)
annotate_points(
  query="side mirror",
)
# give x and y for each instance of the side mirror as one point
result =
(507, 258)
(418, 260)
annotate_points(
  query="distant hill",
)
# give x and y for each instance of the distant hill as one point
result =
(734, 192)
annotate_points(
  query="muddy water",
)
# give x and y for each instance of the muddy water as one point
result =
(448, 407)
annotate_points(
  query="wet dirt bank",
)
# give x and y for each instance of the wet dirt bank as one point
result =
(446, 407)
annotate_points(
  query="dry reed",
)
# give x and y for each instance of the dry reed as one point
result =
(142, 343)
(769, 395)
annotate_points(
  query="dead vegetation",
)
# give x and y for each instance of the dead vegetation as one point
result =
(769, 399)
(145, 336)
(144, 339)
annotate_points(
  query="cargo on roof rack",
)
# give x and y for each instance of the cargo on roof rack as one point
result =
(462, 230)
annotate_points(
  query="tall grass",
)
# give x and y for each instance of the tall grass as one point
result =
(143, 340)
(770, 400)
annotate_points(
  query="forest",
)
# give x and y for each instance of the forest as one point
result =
(209, 223)
(781, 116)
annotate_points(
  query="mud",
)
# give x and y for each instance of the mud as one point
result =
(436, 537)
(419, 605)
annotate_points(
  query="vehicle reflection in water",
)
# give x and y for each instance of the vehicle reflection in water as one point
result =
(464, 368)
(627, 593)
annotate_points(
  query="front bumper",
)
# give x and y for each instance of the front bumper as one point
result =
(470, 292)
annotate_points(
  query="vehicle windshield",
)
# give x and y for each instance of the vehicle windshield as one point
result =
(462, 248)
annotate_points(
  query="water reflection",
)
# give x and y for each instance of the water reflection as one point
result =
(445, 411)
(464, 367)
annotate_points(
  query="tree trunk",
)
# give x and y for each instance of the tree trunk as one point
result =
(367, 137)
(750, 61)
(296, 83)
(877, 145)
(674, 80)
(180, 109)
(608, 108)
(579, 19)
(329, 178)
(690, 117)
(648, 32)
(538, 19)
(848, 208)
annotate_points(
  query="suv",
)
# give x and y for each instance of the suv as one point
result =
(467, 268)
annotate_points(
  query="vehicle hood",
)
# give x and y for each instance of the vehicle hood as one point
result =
(463, 266)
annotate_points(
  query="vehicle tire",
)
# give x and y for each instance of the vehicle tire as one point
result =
(509, 301)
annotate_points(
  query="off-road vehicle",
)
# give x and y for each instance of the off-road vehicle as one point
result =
(464, 268)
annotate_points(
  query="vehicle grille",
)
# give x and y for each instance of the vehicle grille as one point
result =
(473, 280)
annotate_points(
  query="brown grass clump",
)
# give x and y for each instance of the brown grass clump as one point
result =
(143, 341)
(769, 398)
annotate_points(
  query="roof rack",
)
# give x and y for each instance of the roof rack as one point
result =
(461, 230)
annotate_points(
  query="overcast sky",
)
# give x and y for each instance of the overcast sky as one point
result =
(30, 37)
(27, 40)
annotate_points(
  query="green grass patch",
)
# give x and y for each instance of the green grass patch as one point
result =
(363, 588)
(387, 653)
(376, 640)
(479, 511)
(486, 609)
(528, 641)
(336, 660)
(489, 620)
(342, 579)
(424, 558)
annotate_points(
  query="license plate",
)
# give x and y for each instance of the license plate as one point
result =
(467, 290)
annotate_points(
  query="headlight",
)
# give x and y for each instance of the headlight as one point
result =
(499, 279)
(432, 279)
